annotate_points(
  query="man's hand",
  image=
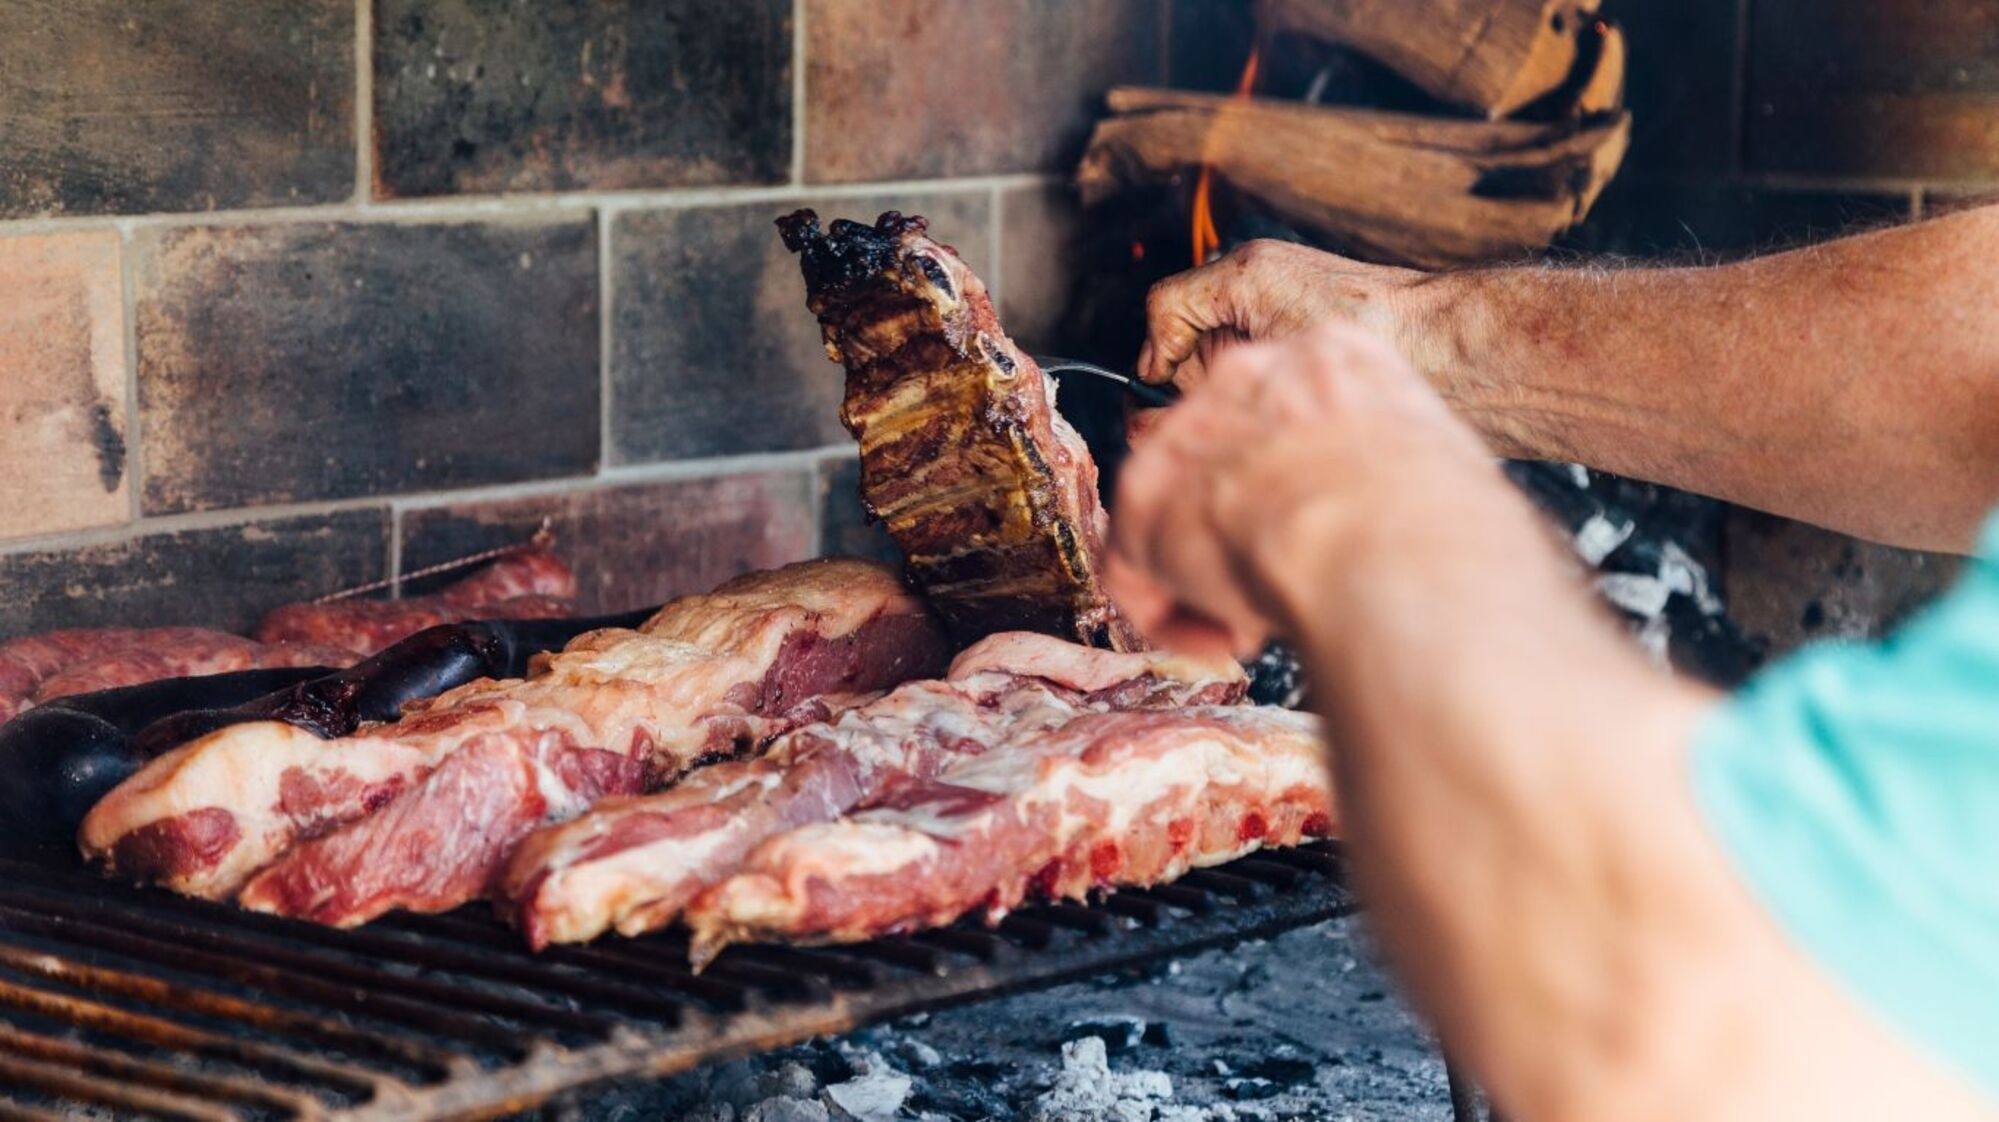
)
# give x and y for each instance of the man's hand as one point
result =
(1248, 485)
(1262, 290)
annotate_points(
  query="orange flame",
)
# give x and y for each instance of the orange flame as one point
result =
(1207, 239)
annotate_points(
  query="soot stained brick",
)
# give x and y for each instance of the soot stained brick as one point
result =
(1042, 229)
(1858, 87)
(1679, 84)
(484, 97)
(223, 577)
(637, 544)
(287, 363)
(62, 385)
(844, 528)
(713, 351)
(1718, 221)
(112, 107)
(912, 88)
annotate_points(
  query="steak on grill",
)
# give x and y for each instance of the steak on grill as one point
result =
(633, 864)
(991, 496)
(1110, 798)
(203, 818)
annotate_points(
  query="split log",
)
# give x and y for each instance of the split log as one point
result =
(1388, 187)
(1493, 56)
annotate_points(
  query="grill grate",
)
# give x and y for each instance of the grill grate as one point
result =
(144, 1004)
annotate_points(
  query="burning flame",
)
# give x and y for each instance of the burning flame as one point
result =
(1207, 239)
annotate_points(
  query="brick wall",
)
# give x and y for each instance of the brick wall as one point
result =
(304, 294)
(299, 295)
(1765, 123)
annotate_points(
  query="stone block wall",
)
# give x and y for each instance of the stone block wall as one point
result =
(295, 296)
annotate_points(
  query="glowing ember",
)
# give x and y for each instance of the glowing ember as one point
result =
(1207, 239)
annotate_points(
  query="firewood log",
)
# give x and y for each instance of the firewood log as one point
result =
(1389, 187)
(1493, 56)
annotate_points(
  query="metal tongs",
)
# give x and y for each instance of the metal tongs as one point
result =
(1145, 393)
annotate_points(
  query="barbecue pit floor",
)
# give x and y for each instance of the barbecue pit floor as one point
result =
(1307, 1025)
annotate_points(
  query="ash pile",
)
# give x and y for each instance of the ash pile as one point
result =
(1302, 1026)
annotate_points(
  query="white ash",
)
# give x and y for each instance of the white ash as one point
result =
(875, 1093)
(745, 1084)
(787, 1109)
(1642, 596)
(1087, 1090)
(1687, 577)
(1119, 1032)
(1598, 537)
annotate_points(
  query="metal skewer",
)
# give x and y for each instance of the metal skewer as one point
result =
(1145, 393)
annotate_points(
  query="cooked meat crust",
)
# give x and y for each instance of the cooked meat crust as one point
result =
(990, 494)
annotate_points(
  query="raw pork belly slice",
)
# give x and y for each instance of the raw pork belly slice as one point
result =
(203, 818)
(1122, 798)
(633, 864)
(531, 584)
(990, 494)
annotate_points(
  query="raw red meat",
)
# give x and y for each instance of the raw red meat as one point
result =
(655, 696)
(1119, 798)
(634, 864)
(765, 647)
(429, 849)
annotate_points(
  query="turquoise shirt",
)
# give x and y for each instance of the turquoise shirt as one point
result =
(1856, 788)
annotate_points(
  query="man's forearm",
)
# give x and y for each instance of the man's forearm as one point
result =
(1515, 799)
(1500, 751)
(1853, 384)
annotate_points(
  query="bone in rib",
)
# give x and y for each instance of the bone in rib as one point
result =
(633, 864)
(989, 493)
(616, 710)
(1117, 798)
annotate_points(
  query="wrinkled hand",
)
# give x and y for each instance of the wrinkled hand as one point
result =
(1247, 487)
(1261, 291)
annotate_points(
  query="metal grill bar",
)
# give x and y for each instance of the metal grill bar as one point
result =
(140, 1003)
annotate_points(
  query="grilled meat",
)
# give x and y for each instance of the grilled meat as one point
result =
(633, 864)
(990, 494)
(1105, 799)
(615, 711)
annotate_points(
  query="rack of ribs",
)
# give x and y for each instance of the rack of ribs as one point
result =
(633, 864)
(419, 812)
(990, 494)
(1117, 798)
